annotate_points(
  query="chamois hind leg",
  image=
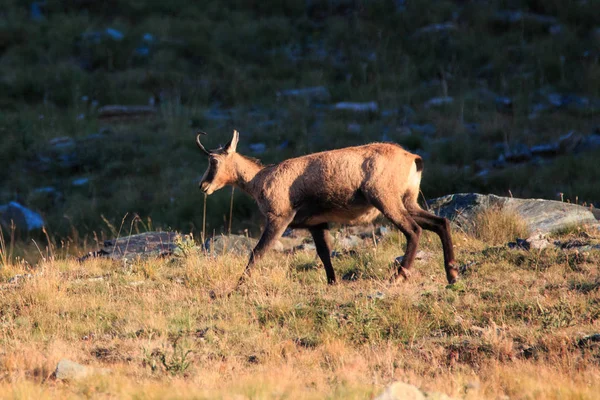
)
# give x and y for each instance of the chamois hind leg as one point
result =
(400, 217)
(273, 230)
(441, 226)
(320, 234)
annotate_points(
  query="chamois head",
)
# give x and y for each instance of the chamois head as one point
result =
(220, 171)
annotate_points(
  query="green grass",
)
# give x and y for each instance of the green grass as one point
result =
(234, 57)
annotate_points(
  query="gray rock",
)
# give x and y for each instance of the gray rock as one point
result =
(538, 242)
(114, 34)
(316, 93)
(143, 245)
(572, 101)
(540, 216)
(438, 101)
(382, 231)
(24, 219)
(19, 278)
(69, 370)
(545, 150)
(376, 296)
(368, 107)
(435, 28)
(348, 241)
(61, 143)
(419, 256)
(80, 181)
(236, 244)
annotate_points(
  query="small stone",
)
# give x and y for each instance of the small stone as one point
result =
(538, 242)
(80, 181)
(18, 278)
(69, 370)
(376, 296)
(435, 28)
(382, 231)
(60, 143)
(401, 391)
(114, 34)
(369, 107)
(438, 101)
(419, 256)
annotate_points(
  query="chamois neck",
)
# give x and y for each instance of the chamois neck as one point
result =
(246, 170)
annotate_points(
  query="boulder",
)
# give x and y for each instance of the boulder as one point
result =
(541, 216)
(237, 244)
(143, 245)
(25, 220)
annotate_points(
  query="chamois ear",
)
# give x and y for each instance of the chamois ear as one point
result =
(231, 146)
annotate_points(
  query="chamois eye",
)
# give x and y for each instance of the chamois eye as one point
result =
(214, 161)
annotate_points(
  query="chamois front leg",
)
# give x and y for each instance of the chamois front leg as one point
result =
(274, 228)
(400, 217)
(320, 234)
(441, 226)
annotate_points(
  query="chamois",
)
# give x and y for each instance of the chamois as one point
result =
(352, 185)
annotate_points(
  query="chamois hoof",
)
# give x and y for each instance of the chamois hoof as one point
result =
(402, 275)
(452, 274)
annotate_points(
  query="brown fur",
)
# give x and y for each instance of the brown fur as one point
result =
(349, 186)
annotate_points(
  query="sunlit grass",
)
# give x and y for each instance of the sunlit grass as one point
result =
(173, 328)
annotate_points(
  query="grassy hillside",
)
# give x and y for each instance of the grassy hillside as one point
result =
(515, 327)
(217, 65)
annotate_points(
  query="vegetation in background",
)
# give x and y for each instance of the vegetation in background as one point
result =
(217, 65)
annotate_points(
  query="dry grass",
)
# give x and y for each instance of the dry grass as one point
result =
(495, 226)
(510, 328)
